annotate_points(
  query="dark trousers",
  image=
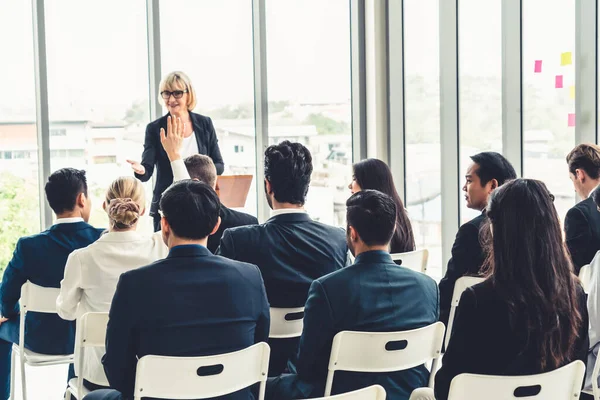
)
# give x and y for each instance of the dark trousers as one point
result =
(290, 387)
(104, 394)
(9, 334)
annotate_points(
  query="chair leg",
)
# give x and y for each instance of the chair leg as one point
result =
(23, 381)
(13, 368)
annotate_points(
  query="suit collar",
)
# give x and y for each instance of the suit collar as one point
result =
(293, 217)
(189, 250)
(374, 257)
(196, 125)
(70, 227)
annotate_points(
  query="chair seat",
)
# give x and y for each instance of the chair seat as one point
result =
(33, 358)
(74, 391)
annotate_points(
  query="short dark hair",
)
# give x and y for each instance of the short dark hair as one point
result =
(63, 187)
(288, 167)
(585, 157)
(191, 208)
(373, 215)
(201, 167)
(493, 165)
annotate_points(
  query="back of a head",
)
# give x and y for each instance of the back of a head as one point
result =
(288, 167)
(373, 215)
(493, 165)
(376, 175)
(531, 270)
(585, 157)
(202, 168)
(125, 202)
(63, 187)
(191, 208)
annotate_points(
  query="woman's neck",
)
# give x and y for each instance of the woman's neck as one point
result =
(115, 229)
(185, 115)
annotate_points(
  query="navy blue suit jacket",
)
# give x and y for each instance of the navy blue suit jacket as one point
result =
(192, 303)
(291, 251)
(41, 259)
(582, 232)
(372, 295)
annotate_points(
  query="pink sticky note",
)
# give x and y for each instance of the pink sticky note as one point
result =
(538, 66)
(571, 119)
(559, 82)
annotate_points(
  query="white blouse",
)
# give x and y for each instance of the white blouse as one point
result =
(91, 277)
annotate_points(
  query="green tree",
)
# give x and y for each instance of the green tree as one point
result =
(19, 213)
(137, 113)
(326, 125)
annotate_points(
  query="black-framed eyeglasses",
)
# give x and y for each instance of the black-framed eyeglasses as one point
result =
(176, 93)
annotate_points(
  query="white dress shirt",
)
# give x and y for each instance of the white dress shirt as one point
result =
(189, 146)
(71, 220)
(90, 281)
(282, 211)
(593, 306)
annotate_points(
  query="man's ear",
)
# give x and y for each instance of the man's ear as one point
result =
(81, 200)
(352, 234)
(268, 186)
(216, 228)
(580, 175)
(164, 225)
(493, 185)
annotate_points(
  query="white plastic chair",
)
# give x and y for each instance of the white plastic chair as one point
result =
(459, 287)
(286, 322)
(379, 352)
(585, 276)
(562, 383)
(202, 377)
(415, 260)
(375, 392)
(38, 299)
(91, 332)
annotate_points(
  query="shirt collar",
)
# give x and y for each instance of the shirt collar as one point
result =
(282, 211)
(593, 190)
(68, 220)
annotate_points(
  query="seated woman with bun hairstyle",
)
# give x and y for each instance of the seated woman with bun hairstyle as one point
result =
(92, 273)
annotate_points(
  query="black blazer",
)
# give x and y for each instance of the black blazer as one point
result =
(467, 259)
(483, 341)
(154, 154)
(291, 251)
(41, 259)
(190, 304)
(582, 231)
(229, 219)
(372, 295)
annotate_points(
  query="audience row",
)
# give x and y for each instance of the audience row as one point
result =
(204, 283)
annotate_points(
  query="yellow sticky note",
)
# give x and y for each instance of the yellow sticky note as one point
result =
(572, 92)
(566, 58)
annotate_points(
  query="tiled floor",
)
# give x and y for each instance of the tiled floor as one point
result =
(43, 383)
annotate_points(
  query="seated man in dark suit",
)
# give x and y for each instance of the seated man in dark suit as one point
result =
(290, 249)
(582, 222)
(487, 172)
(192, 303)
(202, 168)
(372, 295)
(41, 259)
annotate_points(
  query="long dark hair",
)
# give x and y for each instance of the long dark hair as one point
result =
(375, 174)
(530, 269)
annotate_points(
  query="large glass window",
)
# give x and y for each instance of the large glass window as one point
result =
(309, 94)
(98, 90)
(480, 83)
(211, 41)
(548, 95)
(422, 103)
(19, 194)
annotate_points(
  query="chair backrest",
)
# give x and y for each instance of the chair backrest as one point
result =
(286, 322)
(91, 332)
(459, 287)
(563, 383)
(585, 276)
(202, 377)
(415, 260)
(384, 351)
(38, 298)
(375, 392)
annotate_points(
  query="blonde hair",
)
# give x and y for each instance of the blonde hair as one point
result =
(125, 202)
(178, 80)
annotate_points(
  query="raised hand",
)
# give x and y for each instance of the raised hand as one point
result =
(137, 167)
(173, 139)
